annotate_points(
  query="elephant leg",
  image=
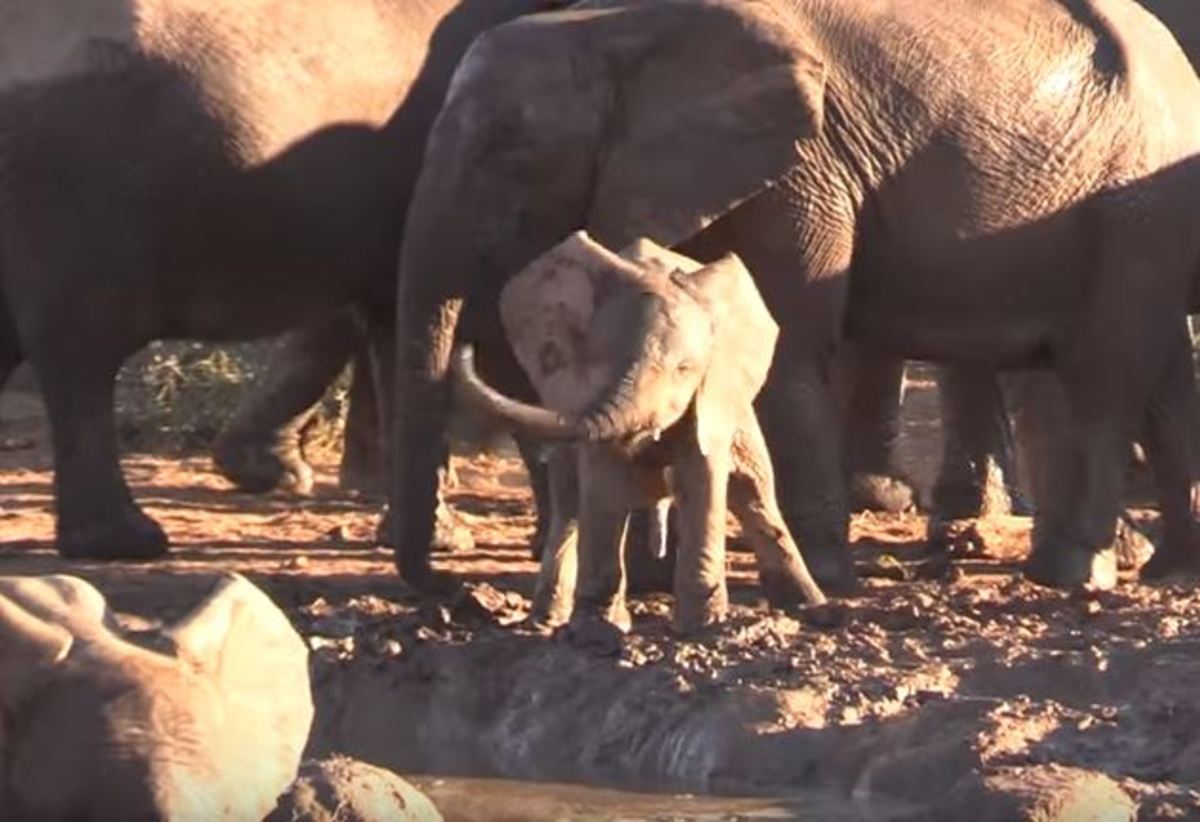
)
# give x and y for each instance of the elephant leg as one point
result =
(1109, 370)
(541, 484)
(1171, 443)
(364, 451)
(799, 244)
(259, 449)
(651, 548)
(552, 599)
(97, 516)
(10, 344)
(978, 471)
(784, 576)
(605, 488)
(701, 485)
(875, 397)
(450, 533)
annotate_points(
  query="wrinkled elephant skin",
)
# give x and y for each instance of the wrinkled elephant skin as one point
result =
(863, 183)
(223, 171)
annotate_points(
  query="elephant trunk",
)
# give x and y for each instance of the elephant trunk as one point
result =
(529, 419)
(616, 415)
(611, 419)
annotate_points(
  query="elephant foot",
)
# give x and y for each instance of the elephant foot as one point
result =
(549, 611)
(882, 493)
(1072, 567)
(602, 635)
(696, 613)
(955, 537)
(789, 588)
(259, 466)
(1166, 567)
(1134, 549)
(131, 536)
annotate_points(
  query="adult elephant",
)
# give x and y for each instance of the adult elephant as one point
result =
(959, 181)
(215, 171)
(978, 467)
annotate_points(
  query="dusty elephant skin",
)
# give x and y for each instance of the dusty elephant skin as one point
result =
(898, 213)
(978, 471)
(216, 173)
(652, 362)
(205, 720)
(340, 789)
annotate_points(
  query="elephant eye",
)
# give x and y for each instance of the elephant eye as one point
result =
(684, 366)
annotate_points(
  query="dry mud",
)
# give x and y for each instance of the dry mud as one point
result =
(948, 688)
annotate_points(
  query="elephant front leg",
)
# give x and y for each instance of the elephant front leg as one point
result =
(798, 240)
(552, 599)
(605, 483)
(700, 484)
(1171, 442)
(97, 517)
(785, 577)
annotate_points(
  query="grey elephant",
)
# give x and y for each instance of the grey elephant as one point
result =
(979, 472)
(221, 172)
(203, 720)
(652, 362)
(995, 184)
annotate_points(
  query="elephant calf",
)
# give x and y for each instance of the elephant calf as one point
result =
(650, 363)
(205, 720)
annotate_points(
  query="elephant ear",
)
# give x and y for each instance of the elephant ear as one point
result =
(547, 309)
(744, 336)
(240, 638)
(710, 100)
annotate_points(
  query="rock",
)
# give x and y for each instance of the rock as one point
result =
(340, 789)
(1044, 793)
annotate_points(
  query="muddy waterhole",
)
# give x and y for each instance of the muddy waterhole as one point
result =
(947, 688)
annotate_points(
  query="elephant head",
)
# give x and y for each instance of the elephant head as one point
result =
(205, 719)
(620, 347)
(620, 117)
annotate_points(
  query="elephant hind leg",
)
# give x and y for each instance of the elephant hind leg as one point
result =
(259, 449)
(785, 577)
(1171, 442)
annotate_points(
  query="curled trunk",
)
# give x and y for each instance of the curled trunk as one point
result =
(529, 419)
(608, 421)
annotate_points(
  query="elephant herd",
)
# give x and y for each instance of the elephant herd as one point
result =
(1010, 186)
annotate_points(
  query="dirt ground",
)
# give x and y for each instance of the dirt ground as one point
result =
(948, 687)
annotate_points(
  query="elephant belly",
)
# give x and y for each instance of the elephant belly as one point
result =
(1003, 298)
(136, 183)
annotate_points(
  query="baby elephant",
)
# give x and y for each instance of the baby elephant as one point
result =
(203, 721)
(649, 363)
